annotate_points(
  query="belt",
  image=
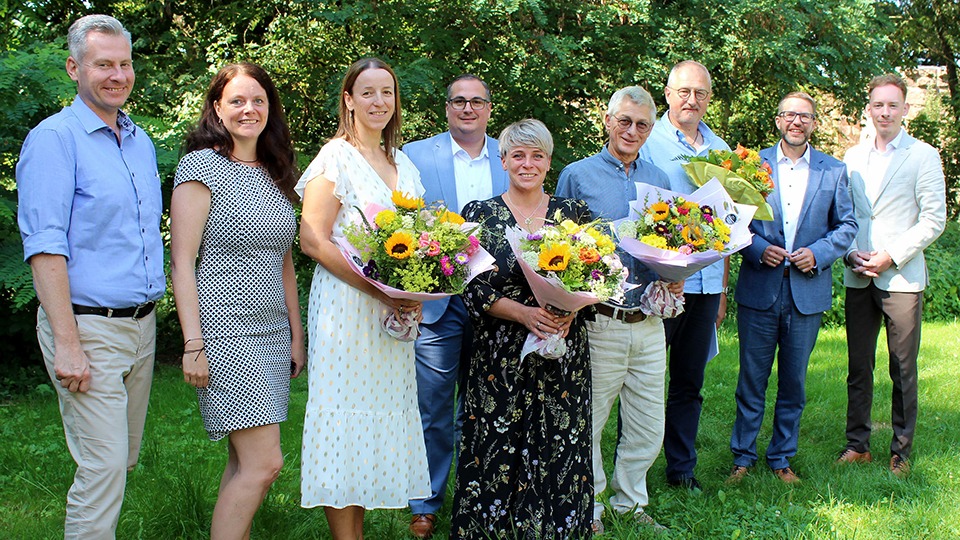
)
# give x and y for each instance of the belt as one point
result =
(628, 317)
(137, 312)
(786, 271)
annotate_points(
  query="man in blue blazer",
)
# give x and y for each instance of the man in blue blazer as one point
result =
(785, 285)
(458, 166)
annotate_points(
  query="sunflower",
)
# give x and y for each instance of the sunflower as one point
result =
(554, 257)
(401, 200)
(693, 235)
(446, 216)
(384, 218)
(399, 245)
(659, 210)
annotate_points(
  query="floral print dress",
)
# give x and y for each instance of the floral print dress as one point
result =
(525, 468)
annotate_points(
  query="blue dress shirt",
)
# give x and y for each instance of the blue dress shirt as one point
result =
(664, 145)
(607, 187)
(96, 202)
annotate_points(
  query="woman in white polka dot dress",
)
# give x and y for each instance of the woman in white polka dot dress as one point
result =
(231, 234)
(362, 436)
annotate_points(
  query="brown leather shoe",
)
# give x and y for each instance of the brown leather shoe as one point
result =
(786, 475)
(899, 466)
(737, 474)
(849, 455)
(422, 525)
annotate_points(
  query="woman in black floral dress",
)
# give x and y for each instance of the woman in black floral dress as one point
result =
(525, 467)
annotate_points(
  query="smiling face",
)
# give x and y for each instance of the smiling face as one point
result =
(625, 143)
(243, 108)
(468, 121)
(687, 111)
(527, 168)
(887, 108)
(104, 75)
(796, 133)
(372, 99)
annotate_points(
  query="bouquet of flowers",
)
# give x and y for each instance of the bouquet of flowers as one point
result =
(414, 251)
(743, 174)
(568, 266)
(677, 235)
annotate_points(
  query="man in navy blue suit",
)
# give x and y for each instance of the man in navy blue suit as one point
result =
(785, 285)
(458, 166)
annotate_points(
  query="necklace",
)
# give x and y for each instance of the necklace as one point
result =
(532, 216)
(235, 158)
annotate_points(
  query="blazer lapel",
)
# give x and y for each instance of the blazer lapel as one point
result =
(446, 178)
(773, 228)
(814, 179)
(896, 161)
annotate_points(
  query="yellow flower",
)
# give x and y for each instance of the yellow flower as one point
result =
(655, 241)
(659, 210)
(554, 257)
(384, 218)
(569, 226)
(719, 246)
(447, 216)
(403, 201)
(399, 245)
(693, 235)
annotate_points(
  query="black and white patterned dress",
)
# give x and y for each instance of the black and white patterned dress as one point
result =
(243, 314)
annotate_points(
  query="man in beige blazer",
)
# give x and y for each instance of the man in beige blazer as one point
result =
(898, 192)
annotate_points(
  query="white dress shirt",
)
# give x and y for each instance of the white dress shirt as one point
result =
(474, 182)
(793, 179)
(877, 164)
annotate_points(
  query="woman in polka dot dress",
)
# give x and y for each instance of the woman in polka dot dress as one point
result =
(231, 233)
(362, 437)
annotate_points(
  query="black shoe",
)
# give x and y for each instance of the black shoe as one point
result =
(689, 483)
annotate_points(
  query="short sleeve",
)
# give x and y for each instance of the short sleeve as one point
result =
(330, 164)
(198, 166)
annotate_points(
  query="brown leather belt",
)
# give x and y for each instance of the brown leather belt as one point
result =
(628, 317)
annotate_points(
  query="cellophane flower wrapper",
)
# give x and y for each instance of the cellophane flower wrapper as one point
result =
(406, 328)
(740, 190)
(550, 293)
(673, 265)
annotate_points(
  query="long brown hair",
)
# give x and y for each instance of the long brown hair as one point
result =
(347, 129)
(274, 145)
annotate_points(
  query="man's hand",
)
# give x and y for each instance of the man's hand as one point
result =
(72, 368)
(774, 255)
(676, 287)
(858, 261)
(803, 259)
(878, 262)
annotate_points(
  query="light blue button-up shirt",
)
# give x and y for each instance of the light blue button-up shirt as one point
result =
(664, 145)
(96, 202)
(607, 187)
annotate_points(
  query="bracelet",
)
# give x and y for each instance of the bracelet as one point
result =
(193, 339)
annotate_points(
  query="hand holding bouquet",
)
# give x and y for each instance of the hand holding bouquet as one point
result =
(414, 251)
(743, 174)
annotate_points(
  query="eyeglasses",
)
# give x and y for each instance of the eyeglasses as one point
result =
(790, 116)
(477, 104)
(684, 93)
(642, 125)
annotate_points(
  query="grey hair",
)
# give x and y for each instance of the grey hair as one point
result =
(689, 63)
(81, 28)
(637, 95)
(529, 132)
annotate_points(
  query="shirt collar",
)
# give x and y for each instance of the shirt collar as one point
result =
(91, 122)
(702, 127)
(456, 149)
(805, 157)
(606, 156)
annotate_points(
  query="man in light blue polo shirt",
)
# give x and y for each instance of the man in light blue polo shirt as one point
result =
(691, 337)
(89, 216)
(627, 352)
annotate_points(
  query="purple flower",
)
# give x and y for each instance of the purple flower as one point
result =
(462, 258)
(534, 236)
(596, 275)
(370, 270)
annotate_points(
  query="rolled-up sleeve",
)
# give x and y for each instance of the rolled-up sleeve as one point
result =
(46, 182)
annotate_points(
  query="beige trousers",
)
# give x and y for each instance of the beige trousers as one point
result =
(103, 426)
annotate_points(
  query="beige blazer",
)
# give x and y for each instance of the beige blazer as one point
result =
(907, 215)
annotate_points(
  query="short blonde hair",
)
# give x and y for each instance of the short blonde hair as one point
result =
(529, 132)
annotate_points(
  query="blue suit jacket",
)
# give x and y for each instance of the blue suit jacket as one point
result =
(826, 226)
(434, 159)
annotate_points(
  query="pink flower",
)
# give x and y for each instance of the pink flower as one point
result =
(685, 249)
(433, 248)
(445, 266)
(424, 239)
(474, 245)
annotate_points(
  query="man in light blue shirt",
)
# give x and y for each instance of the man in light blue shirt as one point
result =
(627, 351)
(89, 216)
(691, 337)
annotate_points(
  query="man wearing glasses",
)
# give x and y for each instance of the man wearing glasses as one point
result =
(692, 336)
(785, 285)
(458, 166)
(627, 352)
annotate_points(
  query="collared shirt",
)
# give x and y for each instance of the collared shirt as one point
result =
(607, 187)
(877, 164)
(96, 202)
(473, 174)
(665, 144)
(792, 182)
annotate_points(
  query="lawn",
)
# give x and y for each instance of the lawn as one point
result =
(172, 491)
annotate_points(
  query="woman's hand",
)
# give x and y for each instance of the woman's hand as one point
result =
(196, 371)
(542, 323)
(298, 358)
(403, 308)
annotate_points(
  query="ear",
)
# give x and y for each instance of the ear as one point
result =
(503, 162)
(72, 68)
(348, 100)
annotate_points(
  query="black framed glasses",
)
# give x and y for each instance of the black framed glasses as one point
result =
(459, 103)
(790, 116)
(699, 94)
(642, 125)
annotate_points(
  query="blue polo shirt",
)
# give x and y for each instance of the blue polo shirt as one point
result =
(607, 187)
(96, 202)
(664, 145)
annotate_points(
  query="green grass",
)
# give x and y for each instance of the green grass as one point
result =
(172, 492)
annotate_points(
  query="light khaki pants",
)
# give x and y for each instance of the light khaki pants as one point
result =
(103, 426)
